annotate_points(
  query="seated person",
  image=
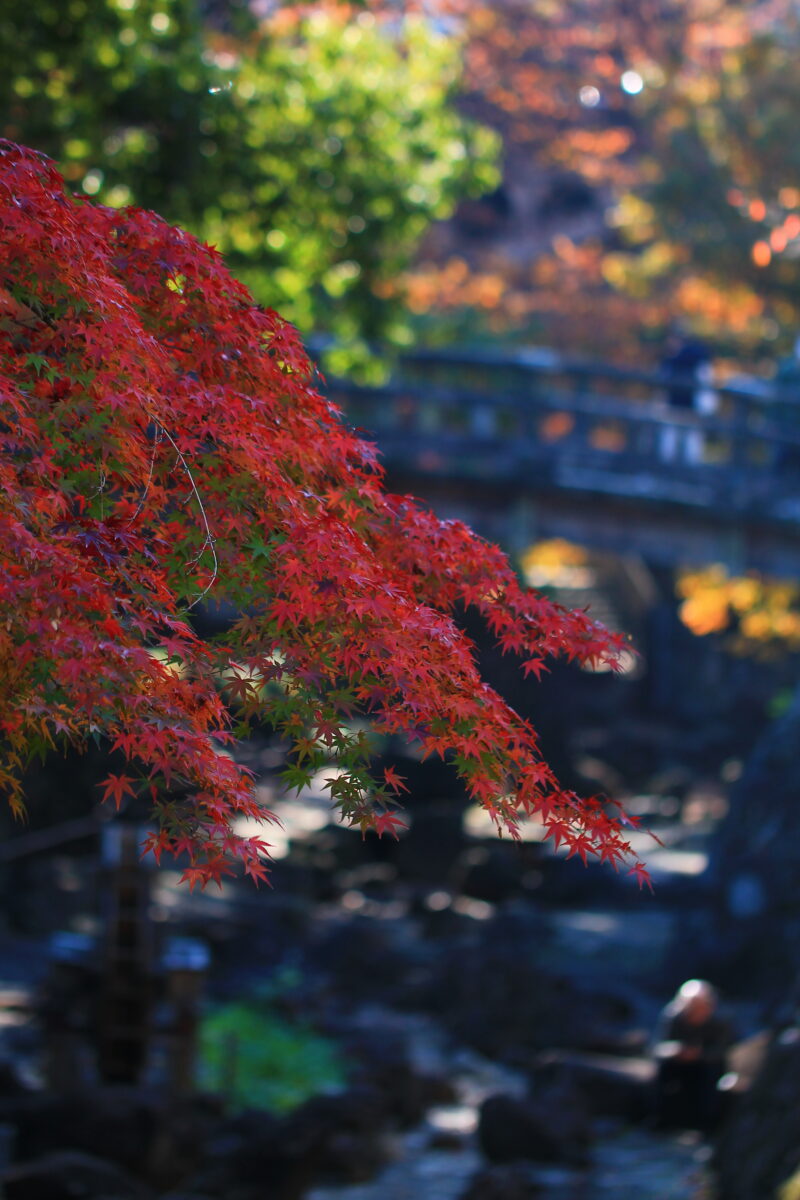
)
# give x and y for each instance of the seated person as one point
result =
(691, 1048)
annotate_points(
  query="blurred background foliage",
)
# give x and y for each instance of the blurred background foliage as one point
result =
(257, 1058)
(759, 614)
(651, 174)
(649, 168)
(580, 173)
(257, 1053)
(312, 147)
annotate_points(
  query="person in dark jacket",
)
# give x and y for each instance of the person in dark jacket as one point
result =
(683, 360)
(691, 1049)
(687, 365)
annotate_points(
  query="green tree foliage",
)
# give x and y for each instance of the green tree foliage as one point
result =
(313, 150)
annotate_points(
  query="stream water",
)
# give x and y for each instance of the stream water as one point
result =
(436, 1160)
(627, 1165)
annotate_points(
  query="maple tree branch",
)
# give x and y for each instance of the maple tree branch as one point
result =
(354, 615)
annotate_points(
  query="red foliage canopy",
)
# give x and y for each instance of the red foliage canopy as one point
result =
(162, 442)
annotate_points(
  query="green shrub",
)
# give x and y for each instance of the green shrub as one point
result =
(258, 1058)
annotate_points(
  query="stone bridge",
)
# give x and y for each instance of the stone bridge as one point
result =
(529, 445)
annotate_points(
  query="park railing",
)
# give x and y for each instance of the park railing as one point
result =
(536, 419)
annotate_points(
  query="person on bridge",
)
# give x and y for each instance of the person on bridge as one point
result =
(785, 407)
(787, 372)
(688, 364)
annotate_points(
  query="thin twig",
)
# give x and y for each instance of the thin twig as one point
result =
(149, 480)
(209, 542)
(101, 487)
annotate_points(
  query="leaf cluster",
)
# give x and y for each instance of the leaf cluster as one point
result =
(258, 1058)
(163, 442)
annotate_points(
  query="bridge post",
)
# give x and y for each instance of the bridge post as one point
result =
(733, 550)
(522, 524)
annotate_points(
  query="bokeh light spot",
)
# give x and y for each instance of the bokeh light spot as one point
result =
(631, 82)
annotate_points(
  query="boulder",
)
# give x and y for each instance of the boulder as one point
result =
(511, 1182)
(754, 866)
(385, 1065)
(12, 1083)
(343, 1134)
(177, 1147)
(551, 1127)
(496, 994)
(337, 1138)
(758, 1146)
(245, 1150)
(155, 1138)
(71, 1176)
(116, 1124)
(610, 1086)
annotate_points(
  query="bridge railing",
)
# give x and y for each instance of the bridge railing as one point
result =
(484, 415)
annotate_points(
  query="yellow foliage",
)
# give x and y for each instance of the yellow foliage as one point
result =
(556, 563)
(735, 306)
(756, 625)
(636, 216)
(767, 610)
(744, 594)
(790, 1190)
(706, 612)
(555, 552)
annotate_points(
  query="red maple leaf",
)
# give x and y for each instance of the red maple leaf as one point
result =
(116, 787)
(393, 780)
(388, 822)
